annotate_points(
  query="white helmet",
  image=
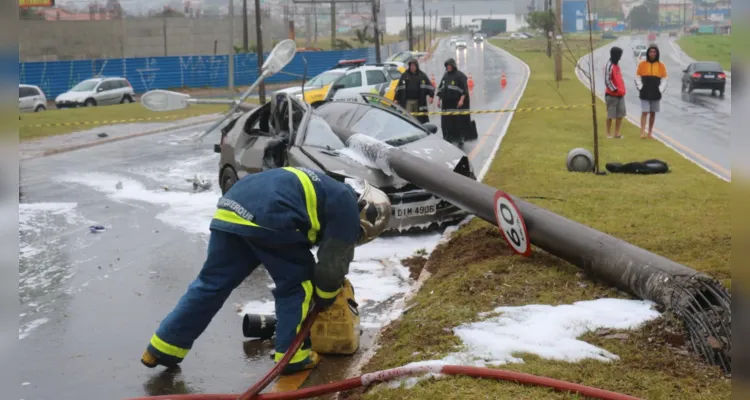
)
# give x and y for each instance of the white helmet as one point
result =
(374, 210)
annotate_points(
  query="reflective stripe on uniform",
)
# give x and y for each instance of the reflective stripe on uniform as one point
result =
(311, 201)
(168, 349)
(326, 295)
(301, 354)
(233, 218)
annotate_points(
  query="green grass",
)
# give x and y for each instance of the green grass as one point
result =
(475, 272)
(53, 122)
(708, 48)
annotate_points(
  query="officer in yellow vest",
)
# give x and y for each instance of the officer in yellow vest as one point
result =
(274, 218)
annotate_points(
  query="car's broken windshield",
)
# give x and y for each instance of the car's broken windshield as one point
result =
(320, 134)
(387, 127)
(325, 78)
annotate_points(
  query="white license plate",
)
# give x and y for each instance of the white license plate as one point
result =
(415, 210)
(709, 76)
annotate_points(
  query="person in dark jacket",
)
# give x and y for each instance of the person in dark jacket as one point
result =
(297, 209)
(651, 81)
(453, 94)
(414, 87)
(614, 92)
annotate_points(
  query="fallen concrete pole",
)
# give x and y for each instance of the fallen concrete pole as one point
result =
(639, 272)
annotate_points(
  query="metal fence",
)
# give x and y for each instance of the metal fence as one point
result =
(183, 72)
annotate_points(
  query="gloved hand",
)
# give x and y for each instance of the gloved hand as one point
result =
(326, 301)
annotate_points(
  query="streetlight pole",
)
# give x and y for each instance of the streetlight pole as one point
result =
(424, 27)
(411, 31)
(376, 29)
(230, 61)
(259, 49)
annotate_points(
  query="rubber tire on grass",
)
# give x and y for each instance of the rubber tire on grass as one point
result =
(227, 178)
(89, 103)
(126, 99)
(40, 108)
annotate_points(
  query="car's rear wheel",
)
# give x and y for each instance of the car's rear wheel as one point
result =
(227, 179)
(126, 99)
(40, 108)
(89, 103)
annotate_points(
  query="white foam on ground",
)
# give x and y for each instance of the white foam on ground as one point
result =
(191, 212)
(258, 307)
(26, 329)
(550, 332)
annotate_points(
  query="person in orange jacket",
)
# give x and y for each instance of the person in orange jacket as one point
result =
(651, 81)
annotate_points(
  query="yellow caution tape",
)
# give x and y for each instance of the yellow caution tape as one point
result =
(469, 112)
(110, 122)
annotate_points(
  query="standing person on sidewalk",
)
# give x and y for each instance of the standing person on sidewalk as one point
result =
(615, 92)
(414, 87)
(651, 81)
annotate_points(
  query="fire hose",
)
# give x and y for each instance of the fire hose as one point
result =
(385, 376)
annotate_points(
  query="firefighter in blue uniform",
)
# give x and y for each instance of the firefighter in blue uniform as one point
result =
(274, 218)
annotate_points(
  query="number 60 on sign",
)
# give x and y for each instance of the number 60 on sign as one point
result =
(511, 224)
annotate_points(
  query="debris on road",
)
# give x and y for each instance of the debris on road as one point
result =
(119, 185)
(97, 228)
(200, 183)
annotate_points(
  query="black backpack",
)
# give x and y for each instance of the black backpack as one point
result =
(647, 167)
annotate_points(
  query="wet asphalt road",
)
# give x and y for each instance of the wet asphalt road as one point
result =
(696, 125)
(91, 301)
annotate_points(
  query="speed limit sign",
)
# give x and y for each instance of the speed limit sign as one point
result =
(511, 224)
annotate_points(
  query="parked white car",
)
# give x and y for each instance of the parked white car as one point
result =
(97, 92)
(31, 99)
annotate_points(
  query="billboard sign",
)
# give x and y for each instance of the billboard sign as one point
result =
(35, 3)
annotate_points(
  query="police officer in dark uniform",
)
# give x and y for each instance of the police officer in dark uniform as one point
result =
(277, 226)
(414, 87)
(453, 95)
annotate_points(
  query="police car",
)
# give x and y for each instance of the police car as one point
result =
(379, 79)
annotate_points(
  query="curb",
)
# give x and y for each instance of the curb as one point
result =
(115, 139)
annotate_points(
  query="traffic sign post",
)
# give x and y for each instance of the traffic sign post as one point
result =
(511, 224)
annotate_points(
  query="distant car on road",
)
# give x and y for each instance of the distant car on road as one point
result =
(642, 55)
(608, 35)
(704, 75)
(97, 92)
(518, 35)
(453, 40)
(461, 44)
(638, 49)
(31, 99)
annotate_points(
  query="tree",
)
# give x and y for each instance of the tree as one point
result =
(363, 37)
(644, 16)
(543, 20)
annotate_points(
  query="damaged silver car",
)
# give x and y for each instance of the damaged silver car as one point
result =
(288, 132)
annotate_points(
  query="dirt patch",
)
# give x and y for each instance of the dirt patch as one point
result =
(415, 265)
(484, 242)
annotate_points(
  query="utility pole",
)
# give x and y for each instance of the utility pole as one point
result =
(376, 29)
(411, 31)
(430, 27)
(230, 61)
(558, 48)
(333, 24)
(245, 44)
(453, 20)
(548, 9)
(424, 27)
(315, 15)
(259, 50)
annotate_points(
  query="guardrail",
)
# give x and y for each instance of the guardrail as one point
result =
(200, 71)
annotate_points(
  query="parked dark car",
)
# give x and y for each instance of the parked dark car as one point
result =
(704, 75)
(608, 35)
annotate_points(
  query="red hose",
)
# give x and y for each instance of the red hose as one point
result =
(395, 373)
(254, 390)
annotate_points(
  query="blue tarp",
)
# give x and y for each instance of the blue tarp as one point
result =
(208, 71)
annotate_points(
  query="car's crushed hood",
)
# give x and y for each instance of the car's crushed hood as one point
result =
(348, 163)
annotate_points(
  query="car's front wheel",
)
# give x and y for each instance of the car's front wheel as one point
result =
(227, 179)
(40, 108)
(89, 103)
